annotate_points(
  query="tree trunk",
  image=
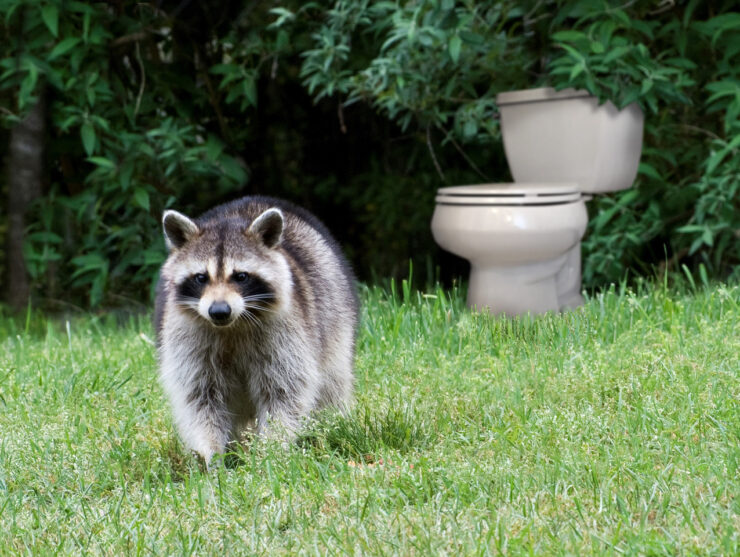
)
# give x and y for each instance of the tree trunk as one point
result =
(25, 171)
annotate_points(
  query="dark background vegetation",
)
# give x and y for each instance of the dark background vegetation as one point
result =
(114, 111)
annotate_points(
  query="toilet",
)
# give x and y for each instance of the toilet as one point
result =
(523, 239)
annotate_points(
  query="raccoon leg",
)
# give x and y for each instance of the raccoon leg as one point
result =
(338, 378)
(203, 426)
(199, 412)
(337, 390)
(279, 417)
(284, 400)
(206, 425)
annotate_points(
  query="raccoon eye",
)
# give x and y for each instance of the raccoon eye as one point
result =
(200, 278)
(240, 277)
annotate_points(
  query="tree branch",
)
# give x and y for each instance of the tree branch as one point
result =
(434, 156)
(466, 157)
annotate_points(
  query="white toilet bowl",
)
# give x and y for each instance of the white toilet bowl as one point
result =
(522, 241)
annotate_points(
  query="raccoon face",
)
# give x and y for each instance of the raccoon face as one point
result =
(226, 273)
(223, 298)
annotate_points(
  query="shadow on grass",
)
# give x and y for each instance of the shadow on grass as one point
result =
(363, 433)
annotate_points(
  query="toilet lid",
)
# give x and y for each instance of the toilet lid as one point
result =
(510, 194)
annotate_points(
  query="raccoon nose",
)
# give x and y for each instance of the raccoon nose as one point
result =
(219, 311)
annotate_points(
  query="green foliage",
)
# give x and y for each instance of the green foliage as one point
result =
(440, 64)
(682, 67)
(126, 142)
(150, 108)
(434, 63)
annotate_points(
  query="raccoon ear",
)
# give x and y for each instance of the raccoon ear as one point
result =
(269, 227)
(178, 229)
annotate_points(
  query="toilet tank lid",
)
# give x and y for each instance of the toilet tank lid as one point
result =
(540, 94)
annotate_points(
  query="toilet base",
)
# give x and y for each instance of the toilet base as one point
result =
(534, 288)
(572, 303)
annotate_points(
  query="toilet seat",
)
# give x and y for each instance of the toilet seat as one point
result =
(514, 194)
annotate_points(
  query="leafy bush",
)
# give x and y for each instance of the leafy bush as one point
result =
(688, 192)
(440, 64)
(128, 139)
(359, 110)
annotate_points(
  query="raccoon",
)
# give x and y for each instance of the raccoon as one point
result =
(256, 314)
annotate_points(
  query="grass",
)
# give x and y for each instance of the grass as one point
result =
(611, 429)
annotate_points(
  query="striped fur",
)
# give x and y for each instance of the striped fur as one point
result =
(256, 314)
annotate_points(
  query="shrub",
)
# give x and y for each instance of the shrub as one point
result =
(439, 64)
(359, 110)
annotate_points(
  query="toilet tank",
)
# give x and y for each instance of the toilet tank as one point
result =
(566, 136)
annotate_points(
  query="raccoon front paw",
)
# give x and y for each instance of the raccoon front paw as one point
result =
(207, 453)
(209, 461)
(205, 462)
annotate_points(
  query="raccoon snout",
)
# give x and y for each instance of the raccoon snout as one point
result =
(219, 312)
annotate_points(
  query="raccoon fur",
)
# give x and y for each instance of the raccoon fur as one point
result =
(256, 314)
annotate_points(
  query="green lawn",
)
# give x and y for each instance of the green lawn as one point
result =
(611, 429)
